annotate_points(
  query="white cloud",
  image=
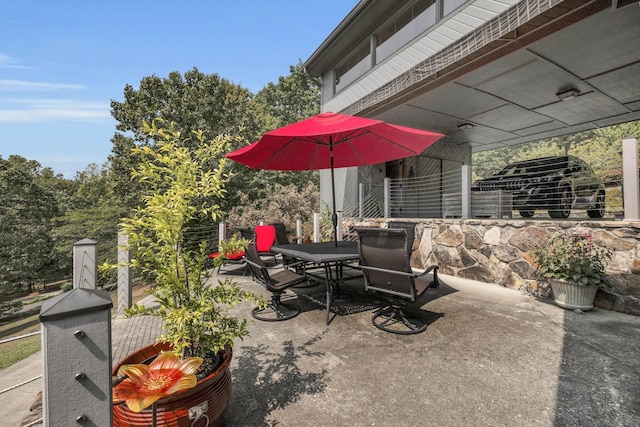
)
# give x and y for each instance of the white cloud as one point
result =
(8, 62)
(25, 86)
(47, 110)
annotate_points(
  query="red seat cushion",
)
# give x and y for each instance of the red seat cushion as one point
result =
(265, 237)
(232, 256)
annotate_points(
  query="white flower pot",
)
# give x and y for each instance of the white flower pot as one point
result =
(571, 296)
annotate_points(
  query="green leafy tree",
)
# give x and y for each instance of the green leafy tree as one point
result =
(213, 105)
(26, 219)
(93, 213)
(195, 313)
(191, 101)
(286, 204)
(293, 98)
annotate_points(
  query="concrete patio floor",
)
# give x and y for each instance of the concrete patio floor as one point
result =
(490, 357)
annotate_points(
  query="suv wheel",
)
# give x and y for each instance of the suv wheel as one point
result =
(527, 214)
(561, 203)
(598, 212)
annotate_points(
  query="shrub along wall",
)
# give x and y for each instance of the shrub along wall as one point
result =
(497, 251)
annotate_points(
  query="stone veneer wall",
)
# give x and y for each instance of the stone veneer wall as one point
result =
(499, 251)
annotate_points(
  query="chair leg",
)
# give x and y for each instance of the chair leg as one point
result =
(275, 311)
(394, 319)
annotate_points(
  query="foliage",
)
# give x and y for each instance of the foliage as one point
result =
(206, 102)
(92, 212)
(182, 178)
(284, 204)
(572, 257)
(232, 246)
(214, 105)
(26, 219)
(295, 97)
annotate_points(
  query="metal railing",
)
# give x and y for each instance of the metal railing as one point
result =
(529, 190)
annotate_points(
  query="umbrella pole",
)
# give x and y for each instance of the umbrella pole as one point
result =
(334, 216)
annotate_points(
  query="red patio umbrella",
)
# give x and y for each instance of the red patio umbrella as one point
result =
(332, 140)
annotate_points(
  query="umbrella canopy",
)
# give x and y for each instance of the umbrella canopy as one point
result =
(332, 140)
(354, 141)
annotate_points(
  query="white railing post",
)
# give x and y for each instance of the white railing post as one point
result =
(316, 227)
(76, 351)
(299, 231)
(361, 200)
(85, 264)
(125, 291)
(339, 227)
(630, 185)
(222, 234)
(466, 191)
(387, 197)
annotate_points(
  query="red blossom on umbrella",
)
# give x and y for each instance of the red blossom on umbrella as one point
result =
(145, 384)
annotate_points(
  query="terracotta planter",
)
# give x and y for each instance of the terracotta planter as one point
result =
(571, 296)
(215, 389)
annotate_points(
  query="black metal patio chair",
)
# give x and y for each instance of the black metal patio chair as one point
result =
(385, 261)
(275, 283)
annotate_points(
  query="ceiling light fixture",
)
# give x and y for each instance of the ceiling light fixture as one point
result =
(465, 126)
(568, 94)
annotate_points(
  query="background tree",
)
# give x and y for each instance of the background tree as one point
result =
(94, 213)
(26, 219)
(195, 101)
(293, 98)
(286, 204)
(216, 106)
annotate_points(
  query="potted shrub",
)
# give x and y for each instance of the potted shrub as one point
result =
(574, 266)
(196, 320)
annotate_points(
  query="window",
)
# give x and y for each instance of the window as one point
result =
(402, 20)
(353, 60)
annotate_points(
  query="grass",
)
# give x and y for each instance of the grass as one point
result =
(14, 351)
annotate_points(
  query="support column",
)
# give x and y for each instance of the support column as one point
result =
(316, 227)
(630, 178)
(466, 191)
(85, 264)
(360, 200)
(387, 198)
(125, 291)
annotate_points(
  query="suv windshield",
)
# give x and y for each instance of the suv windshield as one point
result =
(529, 167)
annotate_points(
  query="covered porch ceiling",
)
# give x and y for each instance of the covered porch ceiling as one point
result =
(510, 93)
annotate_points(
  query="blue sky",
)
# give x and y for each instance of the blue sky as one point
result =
(62, 62)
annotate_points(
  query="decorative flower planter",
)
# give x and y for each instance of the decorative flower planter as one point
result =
(215, 390)
(571, 296)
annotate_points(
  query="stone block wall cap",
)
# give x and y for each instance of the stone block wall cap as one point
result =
(74, 302)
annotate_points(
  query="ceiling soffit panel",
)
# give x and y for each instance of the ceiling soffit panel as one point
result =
(541, 128)
(629, 117)
(595, 45)
(411, 116)
(584, 108)
(509, 118)
(523, 79)
(622, 84)
(458, 101)
(485, 135)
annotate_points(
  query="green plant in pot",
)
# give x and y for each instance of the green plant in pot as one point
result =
(182, 183)
(574, 266)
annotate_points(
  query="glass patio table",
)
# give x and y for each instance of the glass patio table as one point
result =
(328, 255)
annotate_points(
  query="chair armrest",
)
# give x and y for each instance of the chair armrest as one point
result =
(435, 283)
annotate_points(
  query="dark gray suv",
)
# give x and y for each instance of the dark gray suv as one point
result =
(556, 184)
